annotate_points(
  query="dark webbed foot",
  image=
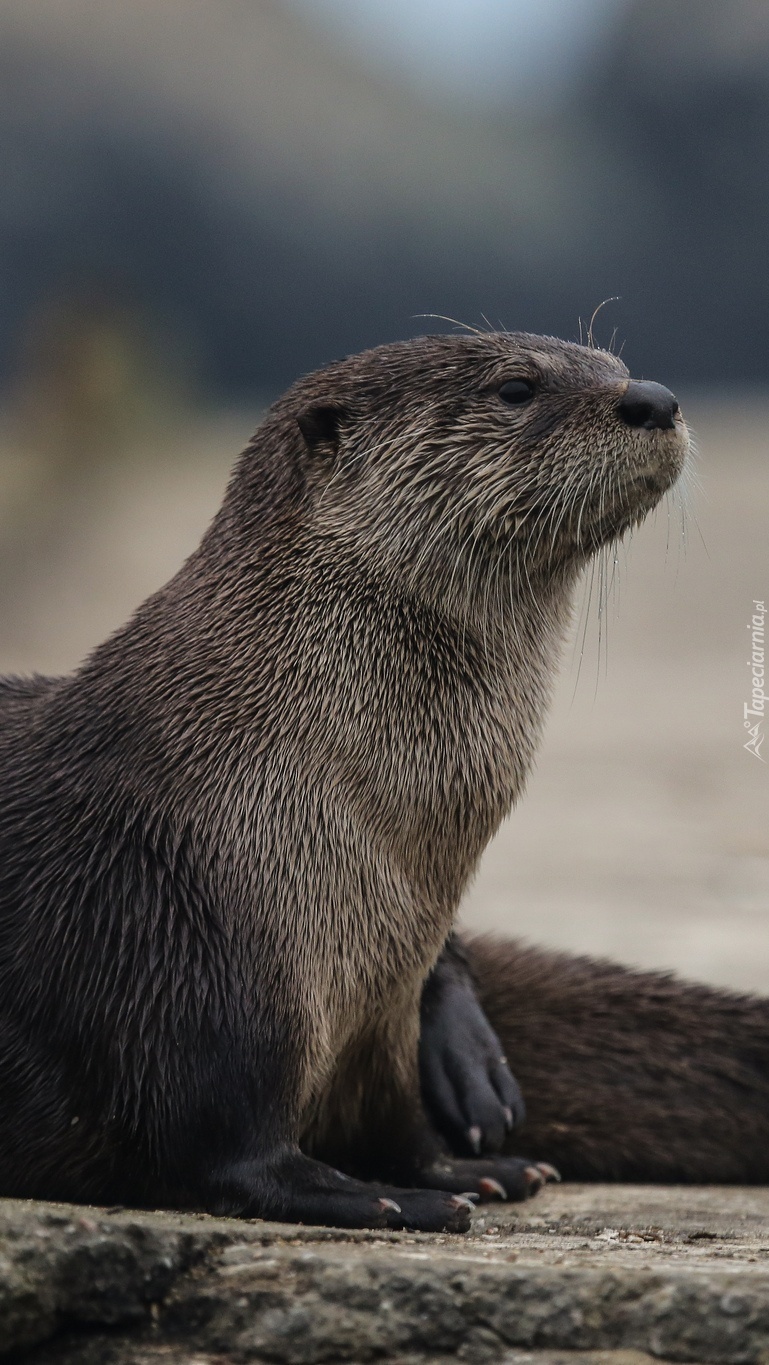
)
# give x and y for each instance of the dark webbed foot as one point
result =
(294, 1188)
(386, 1206)
(467, 1086)
(505, 1177)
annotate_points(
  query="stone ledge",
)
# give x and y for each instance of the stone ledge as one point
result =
(613, 1273)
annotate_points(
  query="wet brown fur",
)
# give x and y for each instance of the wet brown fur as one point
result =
(629, 1075)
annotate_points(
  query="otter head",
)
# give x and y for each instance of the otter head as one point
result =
(446, 460)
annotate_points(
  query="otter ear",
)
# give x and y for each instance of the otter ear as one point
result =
(319, 425)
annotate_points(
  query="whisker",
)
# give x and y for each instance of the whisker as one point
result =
(613, 298)
(465, 326)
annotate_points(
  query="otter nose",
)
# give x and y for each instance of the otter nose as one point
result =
(648, 405)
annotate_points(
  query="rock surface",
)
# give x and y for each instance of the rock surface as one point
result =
(593, 1274)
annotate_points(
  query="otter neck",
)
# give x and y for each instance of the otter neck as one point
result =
(413, 725)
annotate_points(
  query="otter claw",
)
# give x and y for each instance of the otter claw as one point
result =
(508, 1113)
(385, 1204)
(472, 1195)
(492, 1188)
(548, 1171)
(534, 1179)
(475, 1137)
(460, 1201)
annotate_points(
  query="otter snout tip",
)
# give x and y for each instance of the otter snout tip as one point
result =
(649, 406)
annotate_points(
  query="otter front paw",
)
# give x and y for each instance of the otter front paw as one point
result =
(467, 1086)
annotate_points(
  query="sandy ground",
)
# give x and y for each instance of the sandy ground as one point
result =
(644, 834)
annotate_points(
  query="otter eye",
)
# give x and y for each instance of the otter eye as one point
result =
(516, 391)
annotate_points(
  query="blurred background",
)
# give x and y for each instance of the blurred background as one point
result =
(200, 199)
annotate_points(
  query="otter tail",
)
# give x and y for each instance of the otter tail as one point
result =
(629, 1075)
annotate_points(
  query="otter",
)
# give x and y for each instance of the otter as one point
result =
(233, 842)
